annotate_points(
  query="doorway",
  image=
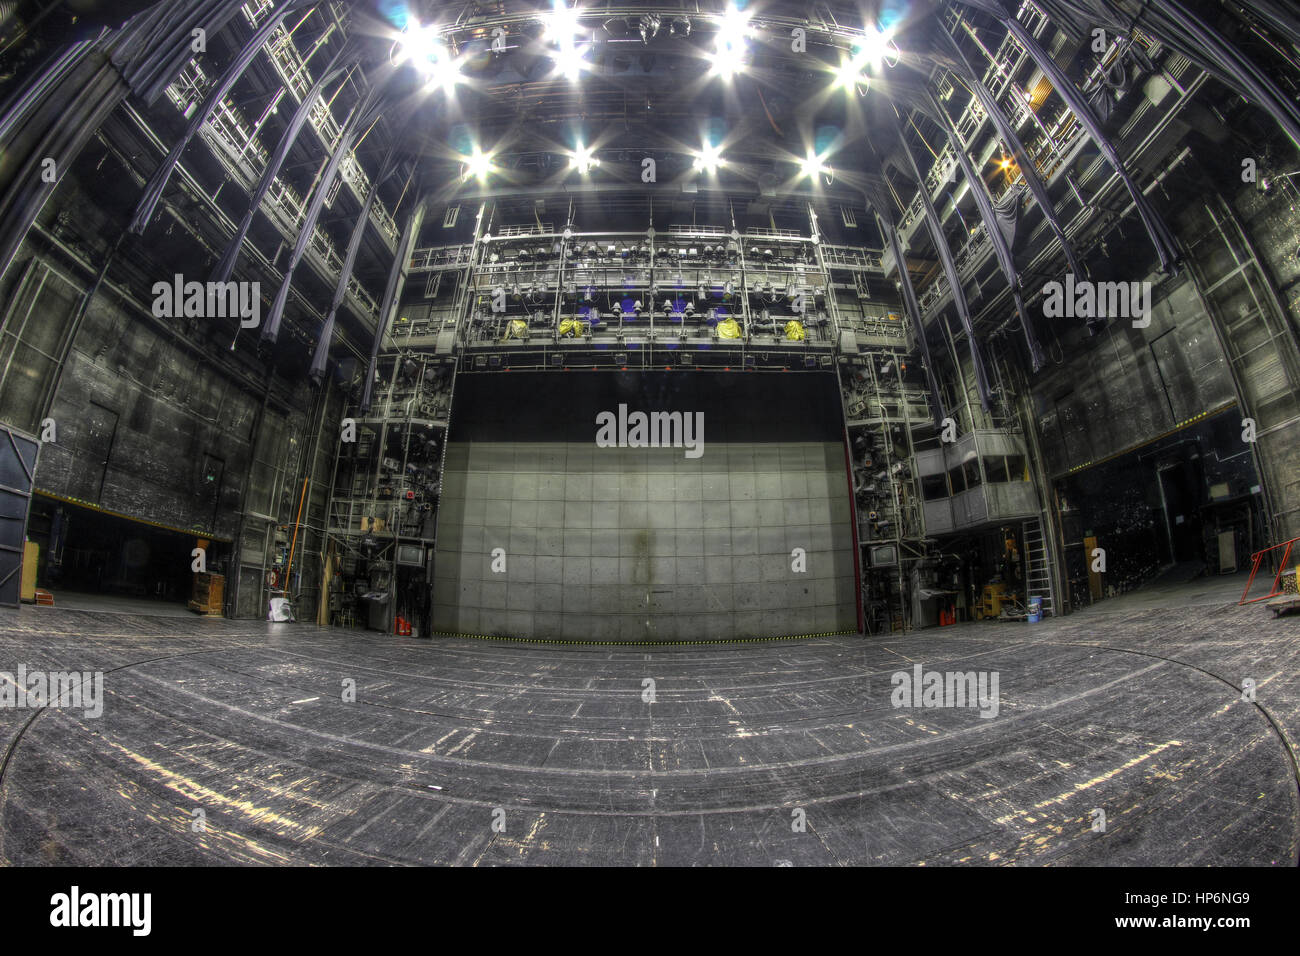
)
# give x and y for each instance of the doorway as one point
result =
(1180, 496)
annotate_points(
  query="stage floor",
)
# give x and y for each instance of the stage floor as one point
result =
(472, 752)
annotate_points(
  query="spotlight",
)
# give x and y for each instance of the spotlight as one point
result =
(561, 28)
(850, 77)
(573, 61)
(418, 44)
(680, 27)
(877, 46)
(812, 165)
(873, 48)
(726, 64)
(478, 164)
(617, 27)
(729, 46)
(583, 159)
(425, 50)
(733, 29)
(561, 24)
(708, 159)
(648, 27)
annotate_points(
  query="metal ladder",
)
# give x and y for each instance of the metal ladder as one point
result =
(1038, 572)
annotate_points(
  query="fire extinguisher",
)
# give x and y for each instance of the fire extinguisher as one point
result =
(403, 626)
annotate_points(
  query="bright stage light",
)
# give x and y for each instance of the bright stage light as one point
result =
(729, 47)
(708, 159)
(812, 165)
(583, 159)
(734, 29)
(427, 52)
(573, 60)
(561, 23)
(869, 52)
(849, 76)
(478, 164)
(725, 64)
(877, 46)
(562, 29)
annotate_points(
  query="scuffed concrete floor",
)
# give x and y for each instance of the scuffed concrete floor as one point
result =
(488, 752)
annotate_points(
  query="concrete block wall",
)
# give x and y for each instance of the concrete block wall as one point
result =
(644, 544)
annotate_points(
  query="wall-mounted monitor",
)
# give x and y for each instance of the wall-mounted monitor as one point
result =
(410, 555)
(883, 555)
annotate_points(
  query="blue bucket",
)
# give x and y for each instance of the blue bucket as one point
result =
(1035, 610)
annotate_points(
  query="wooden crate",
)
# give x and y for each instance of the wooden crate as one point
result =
(209, 594)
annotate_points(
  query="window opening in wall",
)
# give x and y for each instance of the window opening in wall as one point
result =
(934, 487)
(957, 479)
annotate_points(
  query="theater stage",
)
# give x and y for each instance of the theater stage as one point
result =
(482, 752)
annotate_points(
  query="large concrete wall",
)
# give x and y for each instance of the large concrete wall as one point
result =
(646, 544)
(623, 544)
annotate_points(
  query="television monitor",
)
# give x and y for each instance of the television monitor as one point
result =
(884, 555)
(410, 555)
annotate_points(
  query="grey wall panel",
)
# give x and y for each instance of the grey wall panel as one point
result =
(641, 544)
(938, 516)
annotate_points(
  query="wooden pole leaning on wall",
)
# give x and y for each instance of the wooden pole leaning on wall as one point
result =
(293, 544)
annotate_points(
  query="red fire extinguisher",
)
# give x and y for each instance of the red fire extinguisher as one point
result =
(403, 626)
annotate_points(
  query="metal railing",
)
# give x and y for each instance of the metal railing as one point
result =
(242, 154)
(1256, 560)
(853, 257)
